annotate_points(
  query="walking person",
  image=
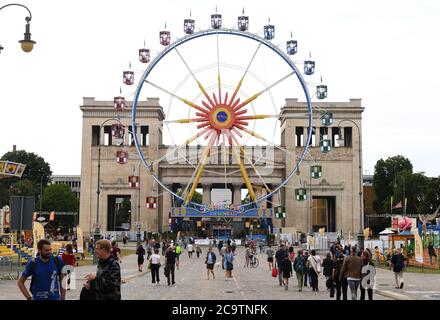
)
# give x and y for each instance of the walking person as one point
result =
(247, 254)
(307, 281)
(351, 269)
(170, 262)
(366, 260)
(198, 251)
(314, 266)
(286, 268)
(431, 252)
(106, 283)
(46, 272)
(149, 250)
(299, 267)
(341, 285)
(229, 262)
(69, 259)
(279, 257)
(91, 246)
(178, 251)
(222, 253)
(270, 254)
(124, 241)
(140, 253)
(115, 251)
(377, 255)
(210, 262)
(155, 266)
(398, 265)
(190, 250)
(328, 266)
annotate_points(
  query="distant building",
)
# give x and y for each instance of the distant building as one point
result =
(74, 182)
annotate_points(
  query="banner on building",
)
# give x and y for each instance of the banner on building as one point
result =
(38, 233)
(79, 240)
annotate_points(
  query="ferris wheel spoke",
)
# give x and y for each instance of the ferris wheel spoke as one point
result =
(187, 142)
(201, 87)
(240, 82)
(185, 101)
(255, 96)
(257, 117)
(258, 136)
(242, 168)
(250, 161)
(199, 171)
(189, 120)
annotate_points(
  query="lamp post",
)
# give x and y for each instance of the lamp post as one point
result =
(138, 223)
(361, 200)
(97, 235)
(41, 194)
(27, 44)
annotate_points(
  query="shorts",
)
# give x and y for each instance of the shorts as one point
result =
(210, 266)
(270, 259)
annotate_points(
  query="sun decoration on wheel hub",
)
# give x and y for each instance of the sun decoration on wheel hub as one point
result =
(225, 116)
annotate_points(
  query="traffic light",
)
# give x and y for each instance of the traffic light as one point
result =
(52, 216)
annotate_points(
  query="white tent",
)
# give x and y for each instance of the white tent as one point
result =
(386, 231)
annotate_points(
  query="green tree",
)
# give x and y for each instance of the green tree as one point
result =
(197, 197)
(36, 169)
(385, 180)
(59, 197)
(411, 186)
(430, 200)
(123, 215)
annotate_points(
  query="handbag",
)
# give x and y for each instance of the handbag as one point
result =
(274, 272)
(87, 294)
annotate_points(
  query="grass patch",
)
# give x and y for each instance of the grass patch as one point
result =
(89, 259)
(414, 269)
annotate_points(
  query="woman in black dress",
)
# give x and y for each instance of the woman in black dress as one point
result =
(286, 269)
(140, 253)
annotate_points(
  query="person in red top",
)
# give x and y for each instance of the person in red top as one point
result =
(69, 258)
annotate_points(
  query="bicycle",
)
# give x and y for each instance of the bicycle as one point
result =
(254, 263)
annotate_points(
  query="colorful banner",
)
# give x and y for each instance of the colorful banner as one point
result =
(79, 240)
(14, 169)
(418, 245)
(38, 234)
(181, 212)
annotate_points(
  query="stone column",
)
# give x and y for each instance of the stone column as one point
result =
(206, 196)
(166, 209)
(101, 136)
(276, 202)
(317, 136)
(236, 198)
(304, 136)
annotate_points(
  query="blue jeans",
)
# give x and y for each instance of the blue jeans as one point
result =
(354, 285)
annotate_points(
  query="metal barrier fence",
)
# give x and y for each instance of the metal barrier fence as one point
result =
(10, 269)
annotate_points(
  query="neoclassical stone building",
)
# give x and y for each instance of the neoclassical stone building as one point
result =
(334, 201)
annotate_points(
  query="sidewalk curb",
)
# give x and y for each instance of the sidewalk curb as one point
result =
(392, 295)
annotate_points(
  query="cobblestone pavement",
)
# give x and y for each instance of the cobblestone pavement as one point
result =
(247, 283)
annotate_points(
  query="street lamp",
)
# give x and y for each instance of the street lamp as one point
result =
(340, 142)
(97, 235)
(27, 44)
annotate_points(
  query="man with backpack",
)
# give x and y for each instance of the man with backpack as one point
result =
(46, 272)
(298, 266)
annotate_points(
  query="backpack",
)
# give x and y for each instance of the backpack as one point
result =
(34, 265)
(299, 264)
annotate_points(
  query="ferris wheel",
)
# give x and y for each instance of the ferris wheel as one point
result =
(222, 90)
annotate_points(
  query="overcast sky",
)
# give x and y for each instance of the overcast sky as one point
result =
(385, 52)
